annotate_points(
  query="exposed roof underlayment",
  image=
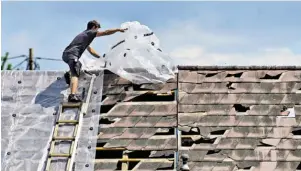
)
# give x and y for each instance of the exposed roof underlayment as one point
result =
(223, 118)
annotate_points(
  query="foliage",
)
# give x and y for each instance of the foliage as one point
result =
(3, 62)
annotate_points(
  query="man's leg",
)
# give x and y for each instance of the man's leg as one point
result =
(74, 84)
(75, 68)
(67, 77)
(67, 74)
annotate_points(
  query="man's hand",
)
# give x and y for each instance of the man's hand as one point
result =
(122, 30)
(92, 52)
(109, 32)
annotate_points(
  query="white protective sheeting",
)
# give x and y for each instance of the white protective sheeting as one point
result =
(136, 56)
(29, 107)
(28, 101)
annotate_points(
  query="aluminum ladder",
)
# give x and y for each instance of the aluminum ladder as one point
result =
(73, 140)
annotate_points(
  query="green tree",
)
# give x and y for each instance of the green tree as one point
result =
(3, 62)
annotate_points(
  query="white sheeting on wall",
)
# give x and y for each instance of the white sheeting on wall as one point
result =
(136, 56)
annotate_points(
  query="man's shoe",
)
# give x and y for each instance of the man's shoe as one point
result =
(74, 98)
(67, 77)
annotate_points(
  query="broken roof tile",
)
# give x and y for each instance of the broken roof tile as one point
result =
(236, 109)
(157, 144)
(143, 109)
(152, 166)
(105, 166)
(149, 132)
(239, 98)
(132, 133)
(108, 133)
(118, 142)
(137, 144)
(167, 121)
(148, 122)
(126, 121)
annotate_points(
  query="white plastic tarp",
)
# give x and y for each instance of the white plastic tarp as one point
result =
(136, 56)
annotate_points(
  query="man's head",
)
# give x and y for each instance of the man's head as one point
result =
(93, 25)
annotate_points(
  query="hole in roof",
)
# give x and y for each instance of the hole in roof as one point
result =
(236, 75)
(246, 168)
(108, 154)
(229, 85)
(126, 88)
(138, 88)
(270, 77)
(105, 121)
(153, 97)
(139, 154)
(103, 98)
(213, 152)
(100, 144)
(188, 142)
(106, 108)
(299, 166)
(219, 132)
(210, 74)
(240, 108)
(264, 145)
(118, 165)
(191, 132)
(284, 108)
(132, 164)
(170, 131)
(296, 131)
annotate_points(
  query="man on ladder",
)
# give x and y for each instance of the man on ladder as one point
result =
(76, 48)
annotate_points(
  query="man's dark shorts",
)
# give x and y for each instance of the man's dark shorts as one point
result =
(74, 64)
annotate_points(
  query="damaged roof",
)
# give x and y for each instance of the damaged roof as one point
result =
(139, 119)
(234, 118)
(227, 118)
(223, 118)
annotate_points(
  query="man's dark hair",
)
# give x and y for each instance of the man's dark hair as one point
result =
(92, 23)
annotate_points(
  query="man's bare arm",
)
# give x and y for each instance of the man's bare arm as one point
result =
(93, 52)
(109, 32)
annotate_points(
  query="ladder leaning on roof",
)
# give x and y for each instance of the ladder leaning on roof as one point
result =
(77, 124)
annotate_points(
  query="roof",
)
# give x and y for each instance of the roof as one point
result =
(224, 118)
(255, 67)
(231, 117)
(136, 118)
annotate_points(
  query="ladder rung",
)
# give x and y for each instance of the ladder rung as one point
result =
(63, 138)
(59, 155)
(71, 105)
(67, 121)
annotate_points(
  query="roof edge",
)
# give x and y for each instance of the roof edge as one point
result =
(254, 67)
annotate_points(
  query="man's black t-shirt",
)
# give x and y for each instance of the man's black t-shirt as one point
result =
(79, 44)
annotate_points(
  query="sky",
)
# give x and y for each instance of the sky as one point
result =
(192, 33)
